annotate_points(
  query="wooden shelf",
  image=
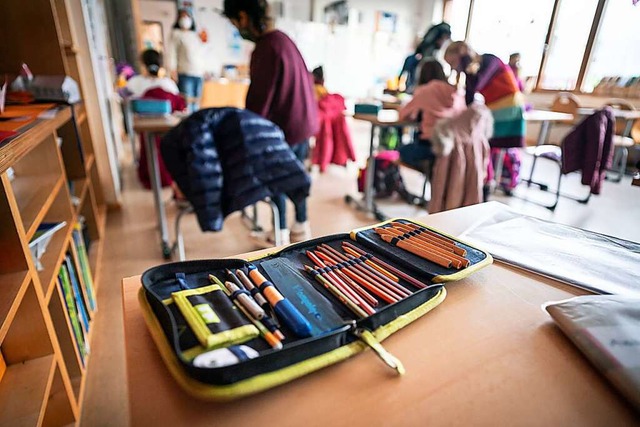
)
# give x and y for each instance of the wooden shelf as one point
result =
(66, 338)
(52, 258)
(13, 286)
(81, 113)
(23, 391)
(95, 252)
(79, 192)
(60, 409)
(20, 146)
(34, 195)
(88, 161)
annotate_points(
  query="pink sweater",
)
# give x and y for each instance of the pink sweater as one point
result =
(437, 100)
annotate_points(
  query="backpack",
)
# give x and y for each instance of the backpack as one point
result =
(510, 168)
(387, 179)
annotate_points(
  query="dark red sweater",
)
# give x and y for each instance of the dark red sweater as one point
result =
(281, 87)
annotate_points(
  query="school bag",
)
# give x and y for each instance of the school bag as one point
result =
(387, 179)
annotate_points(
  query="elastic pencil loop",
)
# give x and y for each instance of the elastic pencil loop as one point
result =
(367, 256)
(324, 270)
(254, 291)
(235, 294)
(412, 233)
(352, 262)
(394, 241)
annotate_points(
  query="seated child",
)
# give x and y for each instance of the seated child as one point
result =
(434, 98)
(153, 76)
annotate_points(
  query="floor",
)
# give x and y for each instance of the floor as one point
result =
(131, 247)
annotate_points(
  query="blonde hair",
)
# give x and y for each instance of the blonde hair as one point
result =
(459, 48)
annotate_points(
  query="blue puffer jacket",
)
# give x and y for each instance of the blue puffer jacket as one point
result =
(225, 159)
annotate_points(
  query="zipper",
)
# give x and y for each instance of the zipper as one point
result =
(367, 337)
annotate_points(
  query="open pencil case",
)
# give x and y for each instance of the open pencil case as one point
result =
(336, 331)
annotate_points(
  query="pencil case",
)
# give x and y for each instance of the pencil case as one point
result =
(336, 329)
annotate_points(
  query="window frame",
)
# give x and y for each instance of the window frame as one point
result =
(588, 49)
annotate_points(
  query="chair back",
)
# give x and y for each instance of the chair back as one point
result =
(566, 102)
(620, 104)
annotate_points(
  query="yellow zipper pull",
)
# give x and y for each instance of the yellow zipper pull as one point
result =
(388, 358)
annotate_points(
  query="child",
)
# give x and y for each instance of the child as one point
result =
(494, 80)
(152, 77)
(153, 85)
(436, 99)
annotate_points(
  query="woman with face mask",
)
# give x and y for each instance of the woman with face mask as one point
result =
(282, 91)
(184, 57)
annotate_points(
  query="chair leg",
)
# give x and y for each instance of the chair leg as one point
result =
(179, 244)
(276, 223)
(555, 204)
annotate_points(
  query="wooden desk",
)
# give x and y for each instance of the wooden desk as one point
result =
(488, 355)
(224, 93)
(149, 127)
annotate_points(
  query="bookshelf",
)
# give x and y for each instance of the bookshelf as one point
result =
(55, 180)
(43, 384)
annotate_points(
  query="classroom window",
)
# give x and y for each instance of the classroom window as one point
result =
(616, 51)
(456, 13)
(502, 27)
(567, 44)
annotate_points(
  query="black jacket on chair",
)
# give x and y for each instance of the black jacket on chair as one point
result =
(225, 159)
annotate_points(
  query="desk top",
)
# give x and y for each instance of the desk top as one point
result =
(622, 114)
(155, 123)
(488, 355)
(546, 116)
(386, 117)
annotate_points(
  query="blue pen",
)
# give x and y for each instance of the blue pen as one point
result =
(286, 311)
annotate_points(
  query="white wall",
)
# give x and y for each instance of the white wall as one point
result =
(219, 30)
(355, 57)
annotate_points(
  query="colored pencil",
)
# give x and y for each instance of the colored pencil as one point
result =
(372, 264)
(456, 260)
(371, 287)
(420, 235)
(337, 293)
(433, 235)
(348, 291)
(431, 256)
(369, 272)
(404, 276)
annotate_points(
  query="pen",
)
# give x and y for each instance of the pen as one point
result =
(287, 312)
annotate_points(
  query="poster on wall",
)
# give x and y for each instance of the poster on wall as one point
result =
(151, 33)
(337, 13)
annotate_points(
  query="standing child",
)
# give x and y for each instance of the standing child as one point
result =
(282, 91)
(184, 57)
(494, 80)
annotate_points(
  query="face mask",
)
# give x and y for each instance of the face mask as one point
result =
(185, 23)
(246, 34)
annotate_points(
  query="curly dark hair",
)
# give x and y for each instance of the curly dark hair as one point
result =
(258, 11)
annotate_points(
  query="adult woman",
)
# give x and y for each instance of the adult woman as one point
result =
(494, 80)
(282, 91)
(184, 57)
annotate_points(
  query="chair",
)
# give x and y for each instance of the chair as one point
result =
(621, 140)
(250, 220)
(566, 102)
(426, 172)
(582, 134)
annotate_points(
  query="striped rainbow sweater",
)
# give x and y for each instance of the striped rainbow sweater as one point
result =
(497, 84)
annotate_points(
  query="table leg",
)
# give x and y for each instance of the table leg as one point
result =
(369, 179)
(497, 171)
(545, 125)
(156, 188)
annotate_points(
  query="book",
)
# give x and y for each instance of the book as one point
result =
(77, 293)
(65, 286)
(85, 269)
